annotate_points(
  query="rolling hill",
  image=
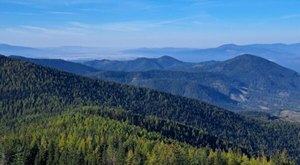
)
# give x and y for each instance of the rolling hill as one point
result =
(139, 64)
(245, 82)
(29, 90)
(285, 54)
(188, 84)
(82, 137)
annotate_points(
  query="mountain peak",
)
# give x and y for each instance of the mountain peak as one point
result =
(254, 69)
(251, 62)
(167, 57)
(249, 57)
(228, 46)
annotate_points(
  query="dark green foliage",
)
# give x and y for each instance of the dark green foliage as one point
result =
(189, 84)
(139, 64)
(245, 82)
(84, 138)
(167, 128)
(28, 90)
(260, 115)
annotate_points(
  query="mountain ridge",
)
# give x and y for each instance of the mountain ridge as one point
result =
(35, 89)
(139, 64)
(252, 81)
(285, 54)
(246, 82)
(60, 64)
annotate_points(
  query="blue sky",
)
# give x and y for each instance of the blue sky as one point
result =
(148, 23)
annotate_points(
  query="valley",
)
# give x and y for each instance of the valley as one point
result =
(143, 82)
(29, 90)
(244, 83)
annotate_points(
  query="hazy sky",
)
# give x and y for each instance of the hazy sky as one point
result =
(148, 23)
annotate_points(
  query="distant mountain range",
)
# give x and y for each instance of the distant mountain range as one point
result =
(284, 54)
(59, 64)
(64, 52)
(287, 55)
(139, 64)
(245, 82)
(31, 95)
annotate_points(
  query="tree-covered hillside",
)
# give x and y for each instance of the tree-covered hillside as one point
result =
(243, 83)
(81, 137)
(28, 90)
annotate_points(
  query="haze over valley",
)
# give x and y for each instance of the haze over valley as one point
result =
(210, 82)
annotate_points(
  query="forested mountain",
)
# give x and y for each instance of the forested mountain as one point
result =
(29, 91)
(285, 54)
(83, 138)
(266, 84)
(59, 64)
(139, 64)
(246, 82)
(188, 84)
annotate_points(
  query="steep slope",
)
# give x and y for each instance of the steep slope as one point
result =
(81, 137)
(188, 84)
(266, 84)
(246, 82)
(60, 65)
(28, 89)
(256, 70)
